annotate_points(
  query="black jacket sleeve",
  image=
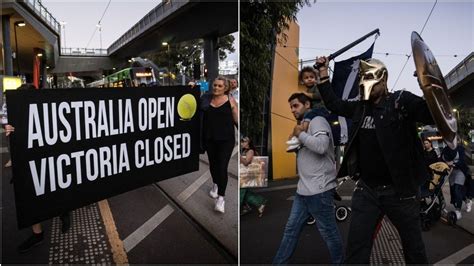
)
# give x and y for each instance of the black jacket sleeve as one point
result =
(416, 108)
(334, 104)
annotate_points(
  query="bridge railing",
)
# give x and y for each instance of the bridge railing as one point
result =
(462, 70)
(156, 14)
(84, 52)
(37, 7)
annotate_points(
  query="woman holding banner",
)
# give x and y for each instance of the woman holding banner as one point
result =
(38, 236)
(220, 114)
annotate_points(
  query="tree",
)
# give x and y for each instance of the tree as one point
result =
(188, 52)
(260, 24)
(466, 122)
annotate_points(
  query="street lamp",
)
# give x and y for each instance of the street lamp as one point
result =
(458, 121)
(100, 34)
(63, 31)
(169, 61)
(457, 113)
(17, 54)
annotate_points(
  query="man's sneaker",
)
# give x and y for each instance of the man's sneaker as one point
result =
(213, 192)
(468, 205)
(293, 141)
(220, 204)
(458, 214)
(33, 241)
(310, 220)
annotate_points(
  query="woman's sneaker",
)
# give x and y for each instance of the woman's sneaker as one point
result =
(245, 209)
(468, 205)
(261, 208)
(220, 205)
(213, 192)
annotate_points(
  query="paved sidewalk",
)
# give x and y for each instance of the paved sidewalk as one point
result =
(192, 195)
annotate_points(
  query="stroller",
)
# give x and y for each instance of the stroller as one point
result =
(432, 201)
(342, 212)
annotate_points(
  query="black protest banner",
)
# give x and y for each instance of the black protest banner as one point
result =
(75, 147)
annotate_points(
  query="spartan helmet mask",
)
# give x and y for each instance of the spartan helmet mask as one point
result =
(371, 72)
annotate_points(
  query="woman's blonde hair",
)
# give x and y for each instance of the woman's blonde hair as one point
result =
(226, 83)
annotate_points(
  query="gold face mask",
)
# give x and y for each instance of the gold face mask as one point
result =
(371, 72)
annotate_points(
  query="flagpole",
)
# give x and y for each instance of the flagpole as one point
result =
(349, 46)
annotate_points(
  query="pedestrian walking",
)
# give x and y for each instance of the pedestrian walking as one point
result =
(384, 154)
(316, 185)
(220, 114)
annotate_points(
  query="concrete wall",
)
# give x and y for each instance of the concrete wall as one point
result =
(67, 64)
(285, 83)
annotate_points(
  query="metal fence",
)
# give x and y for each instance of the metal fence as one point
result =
(43, 13)
(84, 51)
(461, 71)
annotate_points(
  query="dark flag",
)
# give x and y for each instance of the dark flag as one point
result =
(345, 83)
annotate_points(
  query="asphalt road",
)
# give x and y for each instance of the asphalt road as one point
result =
(260, 237)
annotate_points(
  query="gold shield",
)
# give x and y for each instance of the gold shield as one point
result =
(434, 89)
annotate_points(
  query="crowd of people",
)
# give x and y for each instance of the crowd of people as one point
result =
(384, 155)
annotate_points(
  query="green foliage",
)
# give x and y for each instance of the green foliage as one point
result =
(466, 121)
(260, 24)
(188, 52)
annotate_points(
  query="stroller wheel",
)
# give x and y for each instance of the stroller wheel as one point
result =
(452, 218)
(342, 213)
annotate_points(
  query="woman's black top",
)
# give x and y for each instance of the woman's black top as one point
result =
(219, 123)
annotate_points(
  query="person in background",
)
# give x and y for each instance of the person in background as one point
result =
(4, 123)
(234, 90)
(431, 156)
(248, 197)
(220, 114)
(460, 180)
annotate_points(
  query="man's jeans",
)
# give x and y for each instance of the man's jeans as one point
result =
(321, 207)
(368, 208)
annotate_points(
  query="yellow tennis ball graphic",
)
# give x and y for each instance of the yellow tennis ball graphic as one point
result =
(187, 107)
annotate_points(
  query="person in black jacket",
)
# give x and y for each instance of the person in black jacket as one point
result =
(385, 155)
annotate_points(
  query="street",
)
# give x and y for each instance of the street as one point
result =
(172, 221)
(261, 236)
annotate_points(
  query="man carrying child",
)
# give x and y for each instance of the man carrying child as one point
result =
(316, 186)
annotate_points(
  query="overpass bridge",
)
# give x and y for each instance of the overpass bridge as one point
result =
(460, 82)
(38, 39)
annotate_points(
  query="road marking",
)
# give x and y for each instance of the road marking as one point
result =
(3, 150)
(117, 246)
(145, 229)
(458, 256)
(183, 196)
(342, 197)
